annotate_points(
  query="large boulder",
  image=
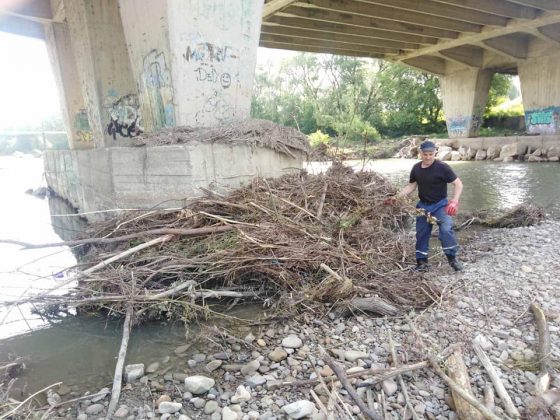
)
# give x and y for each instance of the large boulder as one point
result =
(480, 155)
(493, 152)
(553, 152)
(513, 150)
(445, 155)
(455, 155)
(471, 153)
(533, 158)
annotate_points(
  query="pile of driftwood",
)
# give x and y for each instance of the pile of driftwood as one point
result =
(521, 215)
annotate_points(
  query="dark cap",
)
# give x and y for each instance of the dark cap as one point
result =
(428, 146)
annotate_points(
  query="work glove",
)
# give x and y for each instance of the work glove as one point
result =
(390, 201)
(452, 207)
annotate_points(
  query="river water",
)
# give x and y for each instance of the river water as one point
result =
(80, 351)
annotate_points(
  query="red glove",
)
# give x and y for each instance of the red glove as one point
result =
(452, 207)
(390, 201)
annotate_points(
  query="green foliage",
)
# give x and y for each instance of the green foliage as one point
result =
(353, 99)
(318, 138)
(500, 90)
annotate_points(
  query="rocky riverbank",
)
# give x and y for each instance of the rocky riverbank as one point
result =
(238, 377)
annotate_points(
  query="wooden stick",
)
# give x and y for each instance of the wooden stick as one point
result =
(117, 381)
(341, 374)
(458, 372)
(386, 373)
(498, 384)
(489, 400)
(322, 201)
(162, 231)
(544, 337)
(459, 390)
(13, 411)
(400, 378)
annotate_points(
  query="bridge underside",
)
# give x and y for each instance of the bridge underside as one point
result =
(463, 41)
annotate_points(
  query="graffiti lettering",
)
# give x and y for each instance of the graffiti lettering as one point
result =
(205, 51)
(81, 126)
(124, 116)
(458, 126)
(216, 107)
(543, 121)
(204, 74)
(158, 90)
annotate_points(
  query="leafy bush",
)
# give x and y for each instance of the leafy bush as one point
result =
(318, 138)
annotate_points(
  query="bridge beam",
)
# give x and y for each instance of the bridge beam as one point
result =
(194, 60)
(540, 88)
(464, 93)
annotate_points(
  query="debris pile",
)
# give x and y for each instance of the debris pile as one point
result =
(297, 242)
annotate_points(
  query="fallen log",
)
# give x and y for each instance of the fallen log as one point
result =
(374, 304)
(458, 372)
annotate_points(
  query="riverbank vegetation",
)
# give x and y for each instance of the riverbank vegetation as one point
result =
(353, 102)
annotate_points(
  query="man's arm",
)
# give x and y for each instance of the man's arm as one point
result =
(458, 189)
(407, 190)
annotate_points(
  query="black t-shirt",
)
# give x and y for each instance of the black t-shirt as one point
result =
(432, 181)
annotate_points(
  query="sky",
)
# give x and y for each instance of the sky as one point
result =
(28, 92)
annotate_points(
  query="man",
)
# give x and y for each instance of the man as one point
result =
(431, 176)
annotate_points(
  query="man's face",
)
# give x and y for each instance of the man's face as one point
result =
(427, 158)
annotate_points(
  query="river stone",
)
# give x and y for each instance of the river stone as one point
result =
(250, 367)
(278, 354)
(198, 402)
(213, 365)
(493, 152)
(133, 372)
(229, 414)
(241, 395)
(292, 342)
(121, 413)
(389, 387)
(299, 409)
(182, 349)
(199, 384)
(455, 156)
(163, 398)
(184, 417)
(353, 355)
(211, 407)
(169, 407)
(101, 395)
(82, 416)
(152, 367)
(256, 380)
(95, 409)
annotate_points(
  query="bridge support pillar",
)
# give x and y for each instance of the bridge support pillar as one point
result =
(65, 72)
(464, 95)
(193, 60)
(104, 69)
(540, 88)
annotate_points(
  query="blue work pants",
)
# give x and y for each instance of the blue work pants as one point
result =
(424, 230)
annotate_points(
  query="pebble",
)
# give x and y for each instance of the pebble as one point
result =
(211, 407)
(169, 407)
(95, 409)
(213, 365)
(241, 395)
(278, 354)
(299, 409)
(199, 384)
(133, 372)
(292, 342)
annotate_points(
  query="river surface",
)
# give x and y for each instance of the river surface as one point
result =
(80, 351)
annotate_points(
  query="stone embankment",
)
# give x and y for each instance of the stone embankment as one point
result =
(516, 151)
(238, 378)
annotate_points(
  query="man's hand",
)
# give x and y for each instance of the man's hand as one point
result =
(452, 207)
(390, 201)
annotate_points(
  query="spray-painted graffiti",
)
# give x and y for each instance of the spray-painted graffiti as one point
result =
(209, 74)
(158, 90)
(206, 51)
(81, 126)
(215, 108)
(458, 126)
(124, 115)
(543, 121)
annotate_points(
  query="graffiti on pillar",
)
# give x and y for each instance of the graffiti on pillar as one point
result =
(158, 89)
(208, 52)
(543, 121)
(215, 108)
(81, 127)
(124, 115)
(208, 74)
(458, 126)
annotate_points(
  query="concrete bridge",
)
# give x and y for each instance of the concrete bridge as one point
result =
(126, 66)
